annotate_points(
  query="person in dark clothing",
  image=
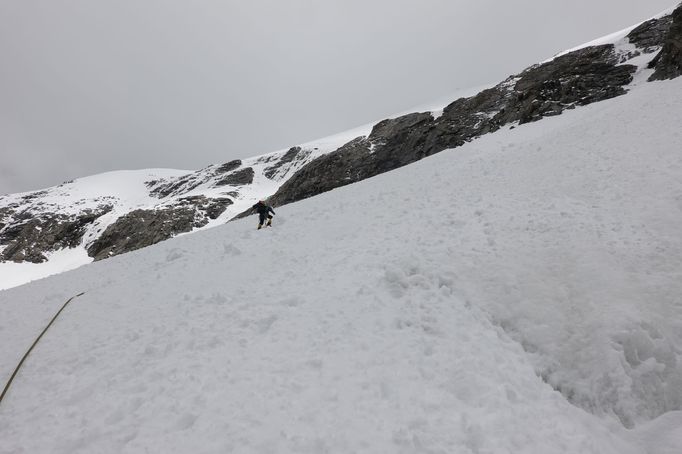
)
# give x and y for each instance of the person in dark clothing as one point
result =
(264, 211)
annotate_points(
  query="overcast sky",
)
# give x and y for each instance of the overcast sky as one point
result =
(88, 86)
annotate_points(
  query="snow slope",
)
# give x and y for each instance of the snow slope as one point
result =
(126, 191)
(130, 190)
(520, 294)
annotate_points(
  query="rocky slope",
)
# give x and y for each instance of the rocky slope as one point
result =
(119, 212)
(577, 78)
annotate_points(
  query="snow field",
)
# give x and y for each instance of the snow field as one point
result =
(437, 308)
(15, 274)
(126, 191)
(399, 364)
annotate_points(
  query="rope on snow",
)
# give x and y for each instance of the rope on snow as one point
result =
(4, 391)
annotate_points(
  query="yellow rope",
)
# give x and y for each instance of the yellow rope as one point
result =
(4, 391)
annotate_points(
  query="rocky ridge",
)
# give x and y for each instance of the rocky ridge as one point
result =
(668, 63)
(34, 225)
(577, 78)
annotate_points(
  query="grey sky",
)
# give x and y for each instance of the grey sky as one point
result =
(88, 86)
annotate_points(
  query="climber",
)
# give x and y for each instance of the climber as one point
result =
(264, 211)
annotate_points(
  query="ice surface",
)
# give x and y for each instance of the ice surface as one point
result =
(520, 294)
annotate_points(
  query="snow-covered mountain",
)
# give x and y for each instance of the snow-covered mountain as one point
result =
(97, 217)
(517, 293)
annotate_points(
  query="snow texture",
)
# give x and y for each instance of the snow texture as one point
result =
(520, 294)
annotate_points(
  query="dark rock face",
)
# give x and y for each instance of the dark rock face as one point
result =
(668, 63)
(399, 141)
(649, 35)
(282, 166)
(216, 207)
(141, 228)
(225, 175)
(29, 237)
(325, 173)
(229, 166)
(209, 206)
(6, 216)
(175, 186)
(578, 78)
(33, 196)
(238, 178)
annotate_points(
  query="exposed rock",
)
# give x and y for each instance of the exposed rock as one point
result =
(5, 217)
(229, 166)
(153, 183)
(668, 63)
(33, 195)
(578, 78)
(650, 35)
(141, 228)
(398, 141)
(211, 207)
(325, 173)
(194, 199)
(216, 207)
(267, 158)
(175, 186)
(238, 178)
(29, 238)
(283, 164)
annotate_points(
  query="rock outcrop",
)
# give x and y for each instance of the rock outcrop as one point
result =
(176, 186)
(228, 166)
(222, 175)
(141, 228)
(582, 77)
(283, 165)
(668, 63)
(578, 78)
(649, 36)
(29, 237)
(239, 178)
(210, 207)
